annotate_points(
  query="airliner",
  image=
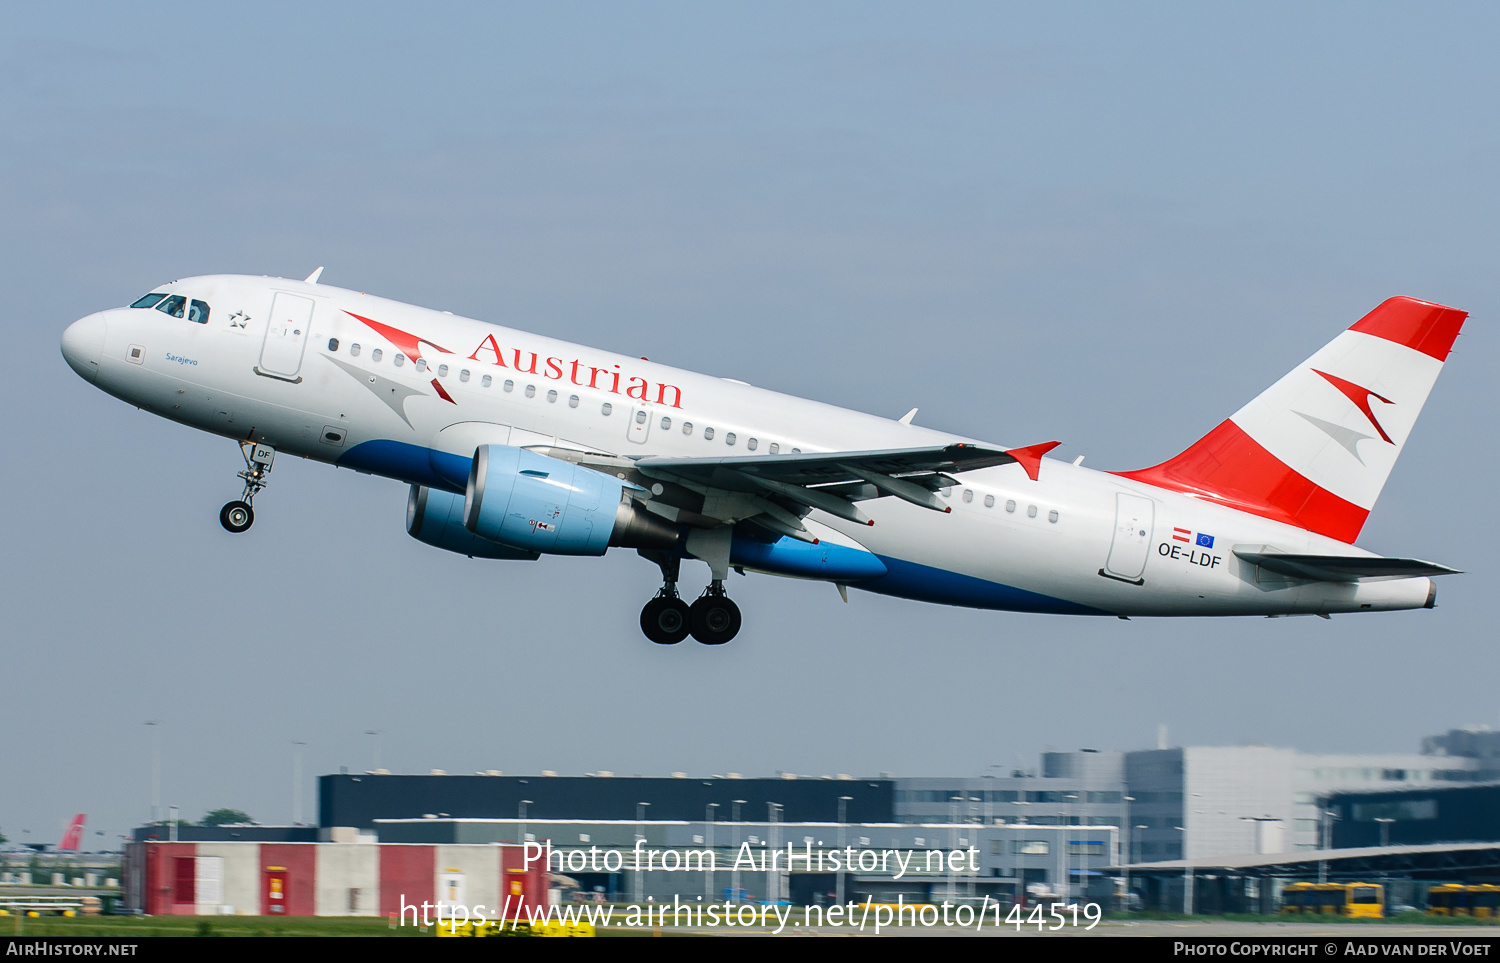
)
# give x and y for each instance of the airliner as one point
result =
(516, 445)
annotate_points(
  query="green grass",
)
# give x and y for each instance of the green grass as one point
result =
(128, 926)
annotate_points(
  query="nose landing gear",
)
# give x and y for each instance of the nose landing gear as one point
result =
(238, 516)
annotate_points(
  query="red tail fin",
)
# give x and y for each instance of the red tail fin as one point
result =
(1314, 449)
(73, 838)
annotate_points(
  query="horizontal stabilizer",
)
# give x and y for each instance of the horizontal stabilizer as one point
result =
(1343, 568)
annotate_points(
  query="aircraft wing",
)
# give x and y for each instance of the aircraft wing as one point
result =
(833, 481)
(777, 491)
(1343, 568)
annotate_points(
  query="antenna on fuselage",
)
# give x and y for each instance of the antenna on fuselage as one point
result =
(313, 277)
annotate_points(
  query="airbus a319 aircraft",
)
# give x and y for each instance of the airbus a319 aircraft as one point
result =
(517, 445)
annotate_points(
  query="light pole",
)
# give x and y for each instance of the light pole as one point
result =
(1385, 829)
(640, 877)
(1137, 848)
(773, 838)
(734, 872)
(375, 767)
(843, 846)
(1067, 882)
(1128, 859)
(297, 745)
(155, 725)
(1187, 875)
(708, 833)
(521, 818)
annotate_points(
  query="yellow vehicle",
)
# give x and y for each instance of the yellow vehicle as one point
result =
(1335, 899)
(1455, 899)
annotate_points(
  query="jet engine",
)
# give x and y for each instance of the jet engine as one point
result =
(437, 518)
(543, 504)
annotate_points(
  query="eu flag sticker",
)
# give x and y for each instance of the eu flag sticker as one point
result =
(1206, 541)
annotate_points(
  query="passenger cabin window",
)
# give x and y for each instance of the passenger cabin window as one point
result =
(509, 385)
(551, 396)
(376, 355)
(989, 501)
(421, 364)
(775, 447)
(729, 438)
(463, 375)
(149, 301)
(531, 391)
(666, 424)
(399, 359)
(486, 381)
(354, 351)
(640, 417)
(572, 401)
(968, 494)
(442, 371)
(687, 427)
(198, 312)
(708, 434)
(333, 344)
(751, 443)
(1031, 511)
(1010, 504)
(173, 305)
(606, 408)
(1052, 516)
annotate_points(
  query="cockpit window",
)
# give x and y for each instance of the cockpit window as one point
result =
(198, 312)
(148, 301)
(173, 305)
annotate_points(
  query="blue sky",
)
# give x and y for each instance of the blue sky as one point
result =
(1108, 224)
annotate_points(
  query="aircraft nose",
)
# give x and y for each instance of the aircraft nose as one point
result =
(83, 345)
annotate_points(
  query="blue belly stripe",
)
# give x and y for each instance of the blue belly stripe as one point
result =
(924, 583)
(409, 463)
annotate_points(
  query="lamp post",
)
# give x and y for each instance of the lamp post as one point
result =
(1020, 873)
(155, 725)
(843, 825)
(1385, 829)
(734, 872)
(1187, 875)
(297, 745)
(773, 838)
(375, 758)
(1067, 882)
(708, 836)
(521, 819)
(640, 877)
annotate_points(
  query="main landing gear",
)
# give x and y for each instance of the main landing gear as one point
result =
(238, 516)
(667, 619)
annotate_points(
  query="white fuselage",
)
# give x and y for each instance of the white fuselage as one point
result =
(1075, 540)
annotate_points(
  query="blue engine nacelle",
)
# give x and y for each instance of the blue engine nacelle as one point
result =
(437, 518)
(543, 504)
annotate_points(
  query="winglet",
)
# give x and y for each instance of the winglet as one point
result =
(313, 277)
(1030, 457)
(906, 418)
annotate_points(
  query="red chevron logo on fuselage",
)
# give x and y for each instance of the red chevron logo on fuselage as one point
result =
(1361, 398)
(406, 341)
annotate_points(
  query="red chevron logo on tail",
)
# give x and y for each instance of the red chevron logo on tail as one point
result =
(1361, 398)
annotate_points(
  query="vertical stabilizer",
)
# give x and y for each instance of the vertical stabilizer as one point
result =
(1314, 449)
(73, 838)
